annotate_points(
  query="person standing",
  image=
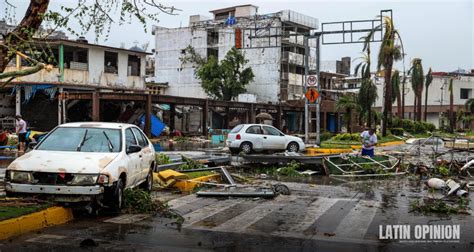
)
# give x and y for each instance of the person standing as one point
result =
(21, 133)
(369, 140)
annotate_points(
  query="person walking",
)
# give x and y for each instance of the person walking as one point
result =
(369, 140)
(21, 133)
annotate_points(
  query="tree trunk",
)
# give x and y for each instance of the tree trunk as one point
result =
(349, 120)
(369, 118)
(414, 105)
(399, 105)
(402, 93)
(420, 101)
(451, 110)
(30, 23)
(426, 104)
(387, 113)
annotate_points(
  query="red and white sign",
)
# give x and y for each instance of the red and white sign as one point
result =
(312, 80)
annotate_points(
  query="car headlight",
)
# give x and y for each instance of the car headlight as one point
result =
(19, 176)
(84, 179)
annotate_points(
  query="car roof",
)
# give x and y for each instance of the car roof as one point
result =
(103, 125)
(256, 124)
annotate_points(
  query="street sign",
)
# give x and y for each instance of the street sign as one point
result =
(312, 80)
(312, 95)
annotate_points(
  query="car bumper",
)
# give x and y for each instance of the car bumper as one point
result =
(233, 144)
(53, 189)
(302, 147)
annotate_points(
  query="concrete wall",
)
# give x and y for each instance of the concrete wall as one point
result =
(96, 65)
(169, 44)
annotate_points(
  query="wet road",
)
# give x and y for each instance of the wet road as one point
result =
(327, 216)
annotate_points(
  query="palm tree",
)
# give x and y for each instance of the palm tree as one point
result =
(348, 104)
(391, 50)
(396, 92)
(368, 91)
(417, 80)
(428, 80)
(451, 106)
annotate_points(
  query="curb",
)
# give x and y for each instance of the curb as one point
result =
(391, 143)
(35, 221)
(316, 151)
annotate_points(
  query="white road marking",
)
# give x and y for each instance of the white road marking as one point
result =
(314, 211)
(204, 212)
(356, 223)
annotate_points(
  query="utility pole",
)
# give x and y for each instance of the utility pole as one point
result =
(307, 114)
(318, 102)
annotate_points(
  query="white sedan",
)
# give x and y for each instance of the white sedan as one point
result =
(259, 137)
(90, 162)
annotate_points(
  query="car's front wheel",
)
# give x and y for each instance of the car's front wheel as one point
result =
(293, 147)
(117, 201)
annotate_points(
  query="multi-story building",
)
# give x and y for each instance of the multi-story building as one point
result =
(77, 66)
(268, 41)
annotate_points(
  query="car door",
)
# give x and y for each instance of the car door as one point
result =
(254, 135)
(134, 159)
(273, 138)
(147, 155)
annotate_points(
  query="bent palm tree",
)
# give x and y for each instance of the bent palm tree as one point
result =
(391, 50)
(348, 104)
(368, 91)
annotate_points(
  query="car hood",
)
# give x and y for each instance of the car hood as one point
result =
(62, 161)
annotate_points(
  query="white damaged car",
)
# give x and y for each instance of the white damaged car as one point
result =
(248, 138)
(85, 162)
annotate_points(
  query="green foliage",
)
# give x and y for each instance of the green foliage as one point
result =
(139, 201)
(408, 125)
(347, 137)
(190, 164)
(223, 80)
(397, 131)
(180, 139)
(325, 136)
(443, 170)
(460, 205)
(290, 170)
(162, 159)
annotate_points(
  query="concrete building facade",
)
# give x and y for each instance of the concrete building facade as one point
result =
(276, 57)
(438, 96)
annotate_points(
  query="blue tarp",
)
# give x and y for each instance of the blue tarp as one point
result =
(157, 126)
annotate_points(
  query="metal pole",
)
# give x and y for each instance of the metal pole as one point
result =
(306, 70)
(318, 102)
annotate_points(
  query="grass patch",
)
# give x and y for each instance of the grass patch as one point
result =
(12, 209)
(192, 175)
(345, 141)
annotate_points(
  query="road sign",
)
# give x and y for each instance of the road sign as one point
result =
(312, 80)
(312, 95)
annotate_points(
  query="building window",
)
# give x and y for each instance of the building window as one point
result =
(466, 93)
(110, 62)
(133, 65)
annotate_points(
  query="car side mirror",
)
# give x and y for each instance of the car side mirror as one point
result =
(133, 149)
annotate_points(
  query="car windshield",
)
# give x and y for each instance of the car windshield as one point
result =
(82, 139)
(237, 128)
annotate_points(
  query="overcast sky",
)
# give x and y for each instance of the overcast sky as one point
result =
(439, 32)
